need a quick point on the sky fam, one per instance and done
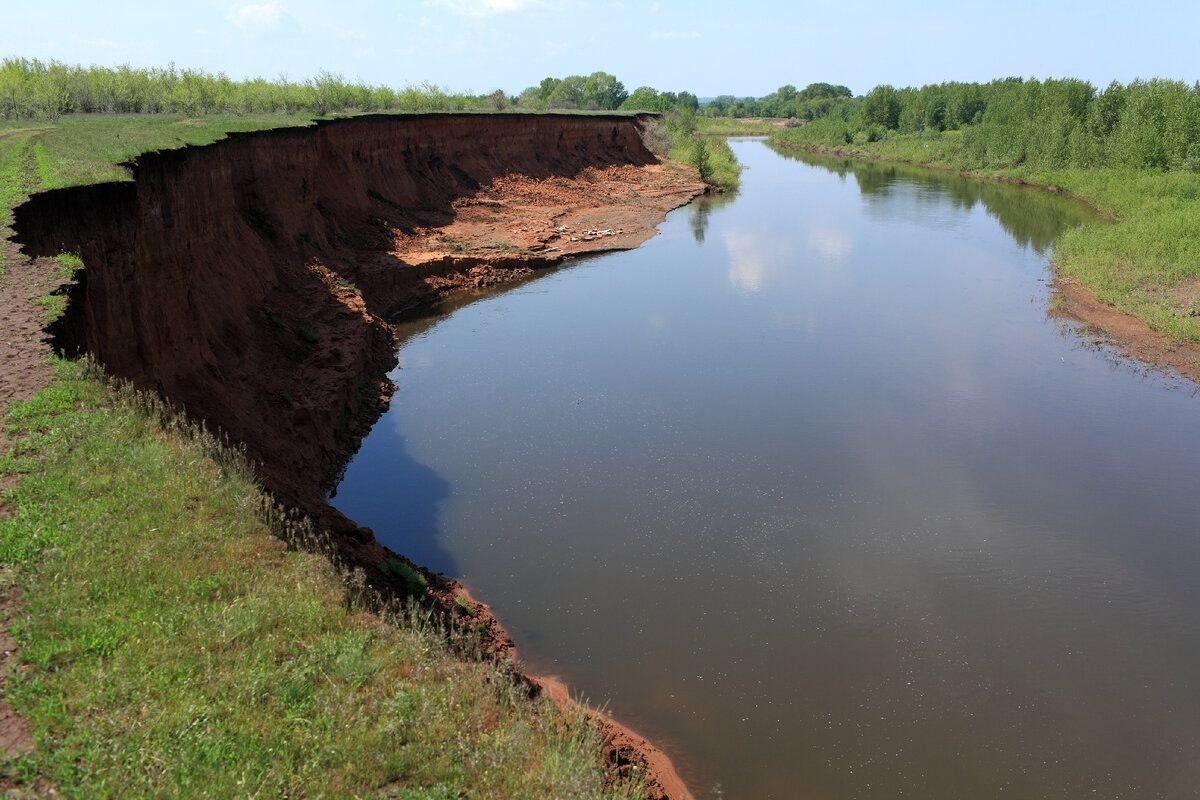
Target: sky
(709, 48)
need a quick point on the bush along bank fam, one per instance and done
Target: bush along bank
(1132, 151)
(676, 136)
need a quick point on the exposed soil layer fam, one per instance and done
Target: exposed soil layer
(23, 348)
(251, 281)
(1128, 334)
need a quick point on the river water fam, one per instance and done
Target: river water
(812, 491)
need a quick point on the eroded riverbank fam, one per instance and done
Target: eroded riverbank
(251, 281)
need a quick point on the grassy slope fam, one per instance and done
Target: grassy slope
(1148, 264)
(725, 126)
(173, 648)
(176, 648)
(87, 149)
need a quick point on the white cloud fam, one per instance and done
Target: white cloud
(748, 261)
(756, 259)
(484, 8)
(831, 244)
(674, 36)
(256, 16)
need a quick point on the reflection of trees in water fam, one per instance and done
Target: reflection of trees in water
(1033, 218)
(701, 207)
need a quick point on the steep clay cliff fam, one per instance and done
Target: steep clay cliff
(250, 280)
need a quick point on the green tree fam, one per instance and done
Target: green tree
(603, 91)
(644, 98)
(882, 107)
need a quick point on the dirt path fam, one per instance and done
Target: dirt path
(24, 369)
(23, 350)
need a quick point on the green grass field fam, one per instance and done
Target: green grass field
(170, 646)
(1147, 264)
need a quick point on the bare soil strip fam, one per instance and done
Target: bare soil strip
(1131, 336)
(24, 369)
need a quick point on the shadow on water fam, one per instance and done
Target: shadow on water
(386, 489)
(1035, 225)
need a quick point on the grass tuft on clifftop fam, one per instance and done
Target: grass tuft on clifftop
(172, 646)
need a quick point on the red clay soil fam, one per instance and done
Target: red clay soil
(626, 752)
(252, 282)
(1127, 333)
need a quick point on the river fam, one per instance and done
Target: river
(812, 490)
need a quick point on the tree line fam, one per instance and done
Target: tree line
(815, 101)
(601, 91)
(33, 88)
(1053, 123)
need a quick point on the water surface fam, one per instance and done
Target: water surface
(810, 490)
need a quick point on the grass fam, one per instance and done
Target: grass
(726, 126)
(83, 149)
(174, 647)
(712, 158)
(1148, 264)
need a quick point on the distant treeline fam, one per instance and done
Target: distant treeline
(601, 91)
(814, 101)
(1151, 124)
(32, 88)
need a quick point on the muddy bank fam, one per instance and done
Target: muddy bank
(1131, 336)
(251, 281)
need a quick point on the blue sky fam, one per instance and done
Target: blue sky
(706, 47)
